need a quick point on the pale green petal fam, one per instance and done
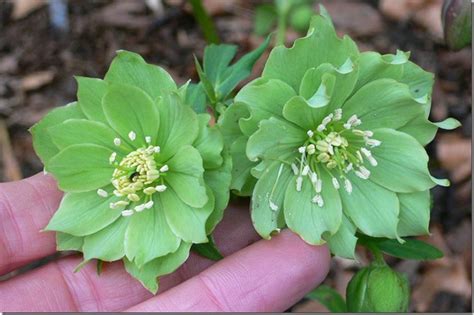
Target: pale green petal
(414, 213)
(66, 241)
(82, 167)
(86, 213)
(402, 162)
(343, 243)
(267, 199)
(160, 266)
(420, 83)
(129, 109)
(209, 143)
(149, 236)
(229, 122)
(384, 103)
(298, 111)
(107, 244)
(42, 143)
(372, 208)
(185, 176)
(264, 99)
(448, 124)
(187, 222)
(321, 45)
(83, 131)
(219, 181)
(130, 68)
(90, 92)
(178, 126)
(242, 180)
(275, 139)
(308, 219)
(421, 129)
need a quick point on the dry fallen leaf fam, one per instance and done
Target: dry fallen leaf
(22, 8)
(36, 80)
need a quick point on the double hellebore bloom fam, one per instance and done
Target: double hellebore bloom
(334, 141)
(144, 176)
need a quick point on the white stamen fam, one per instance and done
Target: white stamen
(149, 190)
(359, 156)
(358, 132)
(160, 188)
(330, 149)
(352, 119)
(302, 149)
(318, 199)
(294, 168)
(121, 203)
(305, 170)
(299, 183)
(45, 172)
(311, 149)
(148, 139)
(359, 174)
(102, 193)
(335, 183)
(149, 204)
(127, 213)
(372, 160)
(117, 141)
(164, 168)
(310, 133)
(140, 208)
(116, 193)
(364, 171)
(112, 205)
(373, 142)
(313, 177)
(318, 186)
(327, 119)
(273, 206)
(321, 127)
(366, 152)
(348, 168)
(132, 135)
(368, 133)
(331, 164)
(157, 149)
(347, 126)
(133, 197)
(112, 157)
(348, 186)
(338, 114)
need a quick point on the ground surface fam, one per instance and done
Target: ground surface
(37, 64)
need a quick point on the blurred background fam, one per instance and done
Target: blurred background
(44, 43)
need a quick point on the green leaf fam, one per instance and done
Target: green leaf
(186, 222)
(108, 243)
(328, 297)
(383, 103)
(42, 143)
(86, 213)
(290, 64)
(402, 162)
(343, 243)
(66, 241)
(216, 60)
(300, 17)
(410, 249)
(308, 219)
(275, 139)
(242, 180)
(265, 18)
(196, 98)
(90, 92)
(267, 199)
(149, 236)
(82, 167)
(218, 180)
(372, 208)
(83, 131)
(264, 99)
(160, 266)
(208, 250)
(206, 83)
(414, 213)
(130, 68)
(178, 126)
(128, 109)
(209, 143)
(185, 176)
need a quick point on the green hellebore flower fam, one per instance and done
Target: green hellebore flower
(334, 142)
(144, 176)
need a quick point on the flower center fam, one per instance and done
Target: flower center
(338, 146)
(136, 177)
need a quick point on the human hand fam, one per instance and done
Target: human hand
(253, 276)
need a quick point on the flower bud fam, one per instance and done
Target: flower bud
(378, 289)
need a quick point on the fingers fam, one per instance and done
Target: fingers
(25, 208)
(268, 276)
(55, 287)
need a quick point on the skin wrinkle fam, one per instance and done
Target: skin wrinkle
(65, 281)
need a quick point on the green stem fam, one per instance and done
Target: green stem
(205, 22)
(281, 30)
